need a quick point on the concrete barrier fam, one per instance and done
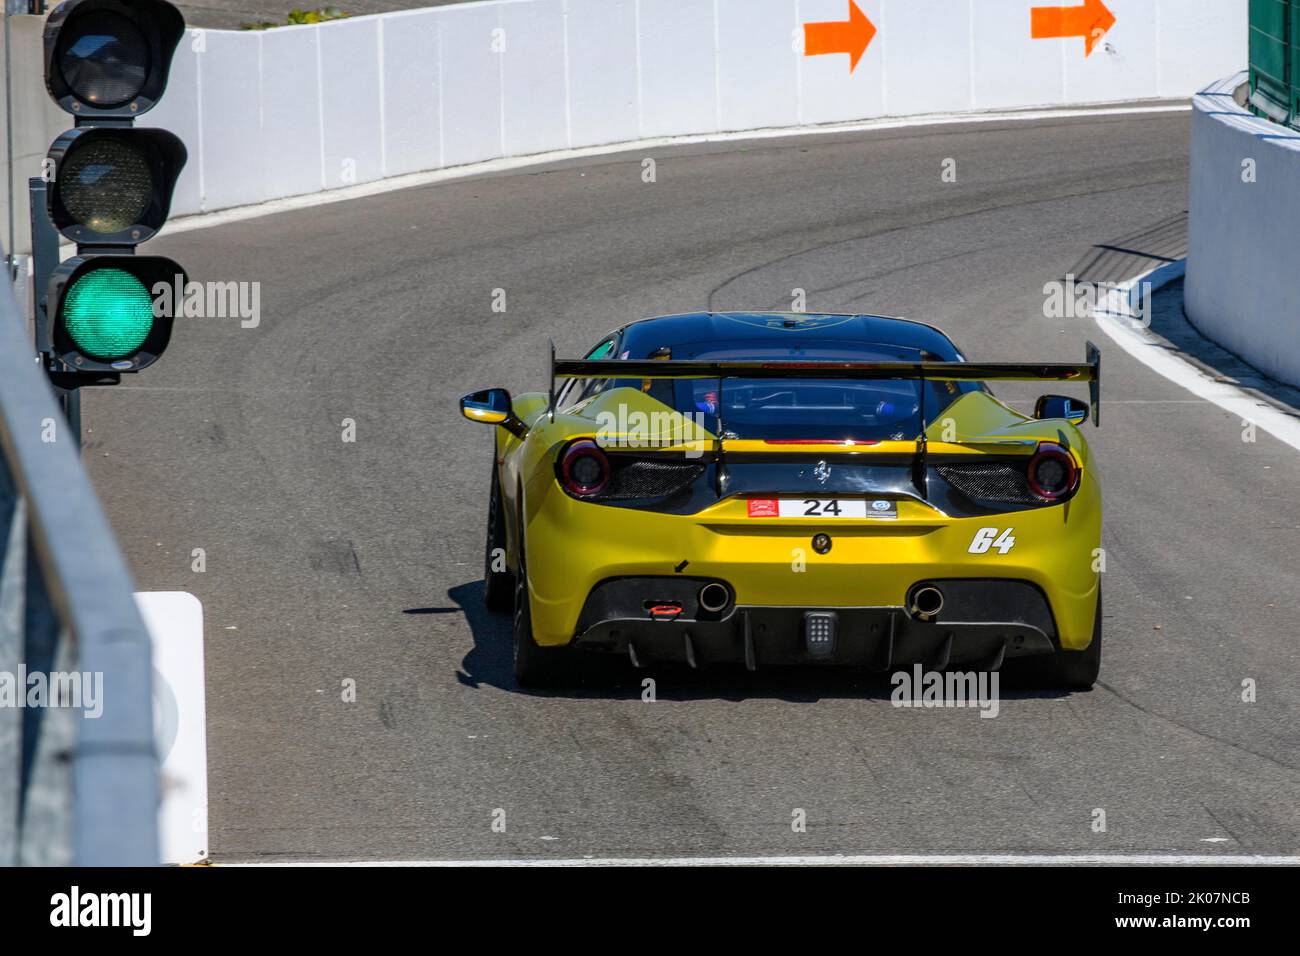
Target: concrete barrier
(296, 110)
(1243, 266)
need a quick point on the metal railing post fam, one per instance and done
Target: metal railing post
(13, 551)
(48, 734)
(67, 603)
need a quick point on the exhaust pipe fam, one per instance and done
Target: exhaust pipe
(927, 602)
(714, 597)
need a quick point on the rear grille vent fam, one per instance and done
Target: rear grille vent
(1002, 484)
(649, 479)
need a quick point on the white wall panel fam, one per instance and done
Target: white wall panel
(602, 71)
(757, 64)
(291, 111)
(412, 133)
(178, 111)
(231, 109)
(351, 135)
(1199, 41)
(1011, 68)
(471, 83)
(927, 47)
(533, 77)
(678, 67)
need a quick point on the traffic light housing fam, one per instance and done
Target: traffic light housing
(112, 185)
(107, 317)
(108, 187)
(107, 59)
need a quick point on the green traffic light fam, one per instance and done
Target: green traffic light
(108, 314)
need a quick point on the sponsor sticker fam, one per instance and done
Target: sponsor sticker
(821, 508)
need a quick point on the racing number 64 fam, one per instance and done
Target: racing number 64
(988, 538)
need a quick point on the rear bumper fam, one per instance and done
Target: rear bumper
(982, 623)
(775, 571)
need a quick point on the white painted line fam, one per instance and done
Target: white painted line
(1137, 342)
(221, 217)
(911, 860)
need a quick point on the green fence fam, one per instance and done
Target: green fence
(1275, 59)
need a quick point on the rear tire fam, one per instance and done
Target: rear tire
(535, 666)
(498, 586)
(1073, 670)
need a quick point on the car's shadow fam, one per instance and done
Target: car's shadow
(595, 676)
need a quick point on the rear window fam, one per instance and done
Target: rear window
(831, 410)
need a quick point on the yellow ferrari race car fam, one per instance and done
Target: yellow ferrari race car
(776, 489)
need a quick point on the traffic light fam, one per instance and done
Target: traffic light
(107, 187)
(104, 319)
(112, 186)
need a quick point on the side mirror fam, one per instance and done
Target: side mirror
(1062, 406)
(493, 406)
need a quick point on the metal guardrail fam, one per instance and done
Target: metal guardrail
(73, 788)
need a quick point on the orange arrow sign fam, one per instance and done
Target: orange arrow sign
(1091, 21)
(851, 37)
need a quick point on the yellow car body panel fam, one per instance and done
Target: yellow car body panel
(573, 545)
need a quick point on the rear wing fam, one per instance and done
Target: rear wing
(1089, 372)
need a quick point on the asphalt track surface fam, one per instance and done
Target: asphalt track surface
(328, 561)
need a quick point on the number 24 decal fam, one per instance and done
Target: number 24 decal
(989, 538)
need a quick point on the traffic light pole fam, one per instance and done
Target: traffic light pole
(45, 259)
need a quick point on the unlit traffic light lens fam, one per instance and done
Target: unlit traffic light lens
(104, 58)
(106, 185)
(108, 314)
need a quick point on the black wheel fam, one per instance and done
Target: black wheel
(498, 582)
(1072, 670)
(534, 666)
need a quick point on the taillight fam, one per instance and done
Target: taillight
(584, 469)
(1052, 472)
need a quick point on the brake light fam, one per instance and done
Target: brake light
(584, 469)
(1052, 472)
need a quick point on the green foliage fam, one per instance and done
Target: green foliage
(298, 17)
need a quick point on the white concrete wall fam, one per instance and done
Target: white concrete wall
(1243, 266)
(301, 109)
